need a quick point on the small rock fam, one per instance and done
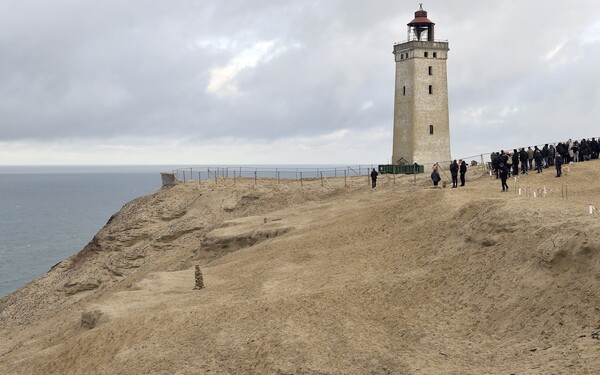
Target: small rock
(91, 319)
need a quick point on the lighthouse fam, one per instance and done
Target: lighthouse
(421, 121)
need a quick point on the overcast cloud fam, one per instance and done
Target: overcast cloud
(275, 81)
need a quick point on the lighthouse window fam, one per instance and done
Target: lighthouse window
(430, 90)
(435, 55)
(426, 54)
(431, 129)
(430, 70)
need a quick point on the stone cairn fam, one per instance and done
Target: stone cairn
(199, 279)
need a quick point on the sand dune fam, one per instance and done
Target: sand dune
(403, 279)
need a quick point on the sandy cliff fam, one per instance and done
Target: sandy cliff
(403, 279)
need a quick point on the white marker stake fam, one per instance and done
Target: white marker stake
(534, 194)
(519, 191)
(591, 207)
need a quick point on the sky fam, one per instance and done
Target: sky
(87, 82)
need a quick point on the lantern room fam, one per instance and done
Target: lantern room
(421, 28)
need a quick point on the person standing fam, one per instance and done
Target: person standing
(558, 163)
(569, 150)
(495, 163)
(594, 148)
(454, 173)
(537, 155)
(503, 176)
(374, 175)
(530, 157)
(561, 150)
(435, 176)
(551, 155)
(523, 158)
(545, 153)
(515, 161)
(575, 150)
(463, 171)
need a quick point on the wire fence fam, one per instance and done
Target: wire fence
(273, 173)
(322, 176)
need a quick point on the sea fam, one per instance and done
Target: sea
(48, 213)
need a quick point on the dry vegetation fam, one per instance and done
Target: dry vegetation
(403, 279)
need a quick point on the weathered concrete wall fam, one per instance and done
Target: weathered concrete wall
(415, 108)
(168, 179)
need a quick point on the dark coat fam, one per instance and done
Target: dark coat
(515, 158)
(463, 167)
(374, 175)
(435, 176)
(504, 172)
(523, 156)
(454, 169)
(558, 161)
(545, 152)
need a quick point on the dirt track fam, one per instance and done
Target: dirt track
(403, 279)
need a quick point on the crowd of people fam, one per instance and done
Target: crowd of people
(549, 156)
(507, 164)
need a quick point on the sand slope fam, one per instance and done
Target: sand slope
(404, 279)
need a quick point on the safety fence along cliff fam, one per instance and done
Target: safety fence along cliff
(325, 176)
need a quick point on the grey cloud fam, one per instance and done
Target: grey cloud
(141, 68)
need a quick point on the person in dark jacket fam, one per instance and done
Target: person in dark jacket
(435, 176)
(515, 161)
(537, 156)
(594, 148)
(585, 152)
(558, 163)
(495, 163)
(454, 173)
(503, 157)
(551, 155)
(463, 171)
(561, 149)
(545, 153)
(576, 148)
(523, 159)
(374, 175)
(504, 176)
